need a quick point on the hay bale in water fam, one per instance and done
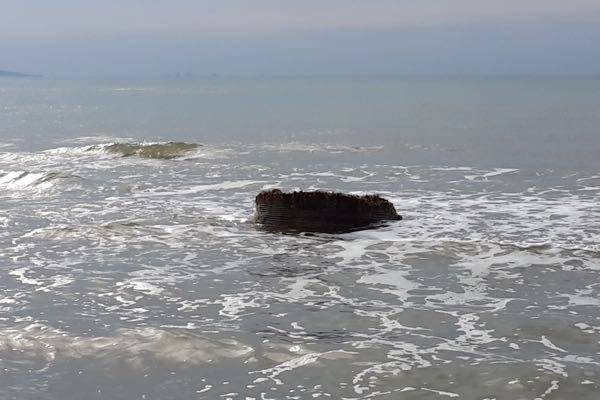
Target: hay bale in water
(321, 211)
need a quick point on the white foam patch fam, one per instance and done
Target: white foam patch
(486, 175)
(451, 169)
(392, 282)
(208, 152)
(553, 387)
(587, 328)
(99, 139)
(323, 147)
(546, 342)
(472, 335)
(582, 297)
(144, 287)
(330, 174)
(441, 392)
(352, 250)
(18, 180)
(234, 305)
(20, 275)
(298, 288)
(74, 152)
(295, 363)
(553, 366)
(201, 188)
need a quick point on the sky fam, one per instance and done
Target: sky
(299, 37)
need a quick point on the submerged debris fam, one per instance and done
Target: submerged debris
(321, 211)
(159, 151)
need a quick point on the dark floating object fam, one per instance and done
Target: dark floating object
(321, 211)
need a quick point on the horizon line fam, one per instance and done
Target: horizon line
(193, 75)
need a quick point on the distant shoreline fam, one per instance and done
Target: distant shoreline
(13, 74)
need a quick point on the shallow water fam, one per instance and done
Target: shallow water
(128, 277)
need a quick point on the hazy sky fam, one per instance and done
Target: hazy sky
(154, 37)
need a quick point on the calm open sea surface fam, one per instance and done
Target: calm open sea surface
(130, 278)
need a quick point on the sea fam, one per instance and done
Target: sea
(131, 268)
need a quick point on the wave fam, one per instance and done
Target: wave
(318, 147)
(19, 180)
(40, 345)
(495, 172)
(337, 148)
(163, 151)
(99, 139)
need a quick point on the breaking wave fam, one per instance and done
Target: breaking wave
(24, 180)
(331, 148)
(163, 151)
(40, 345)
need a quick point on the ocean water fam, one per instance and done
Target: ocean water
(128, 277)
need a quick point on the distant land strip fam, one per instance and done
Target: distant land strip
(12, 74)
